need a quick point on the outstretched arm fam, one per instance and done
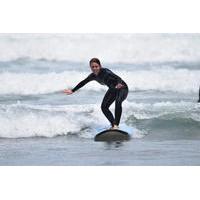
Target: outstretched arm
(79, 85)
(82, 83)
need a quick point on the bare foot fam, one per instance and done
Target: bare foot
(114, 127)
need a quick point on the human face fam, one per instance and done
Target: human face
(95, 67)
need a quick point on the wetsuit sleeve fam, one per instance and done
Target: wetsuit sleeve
(83, 82)
(119, 80)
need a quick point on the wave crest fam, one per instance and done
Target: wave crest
(176, 80)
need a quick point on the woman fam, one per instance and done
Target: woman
(118, 90)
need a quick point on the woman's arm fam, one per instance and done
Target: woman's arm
(79, 85)
(83, 82)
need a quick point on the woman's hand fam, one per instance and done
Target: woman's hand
(119, 85)
(68, 91)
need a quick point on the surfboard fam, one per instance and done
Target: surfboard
(112, 135)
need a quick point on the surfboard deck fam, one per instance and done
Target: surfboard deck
(112, 135)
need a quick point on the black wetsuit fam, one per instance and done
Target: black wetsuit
(107, 77)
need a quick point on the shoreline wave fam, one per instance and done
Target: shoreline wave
(22, 120)
(175, 80)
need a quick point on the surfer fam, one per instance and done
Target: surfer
(118, 90)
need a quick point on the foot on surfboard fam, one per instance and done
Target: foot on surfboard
(115, 127)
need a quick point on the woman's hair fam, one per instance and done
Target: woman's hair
(96, 60)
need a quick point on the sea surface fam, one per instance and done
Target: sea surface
(40, 125)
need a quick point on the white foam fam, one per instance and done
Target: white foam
(20, 120)
(23, 120)
(176, 80)
(163, 110)
(133, 132)
(27, 83)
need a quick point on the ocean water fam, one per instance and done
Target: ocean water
(40, 125)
